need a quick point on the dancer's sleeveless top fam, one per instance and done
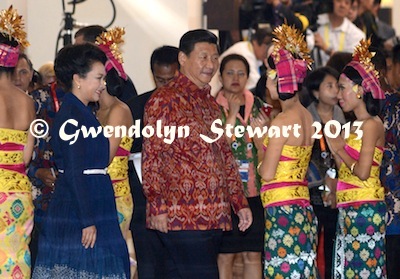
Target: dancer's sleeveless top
(16, 207)
(290, 223)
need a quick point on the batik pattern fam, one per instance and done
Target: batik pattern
(16, 207)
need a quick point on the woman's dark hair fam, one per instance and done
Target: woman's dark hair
(190, 38)
(373, 105)
(232, 57)
(6, 41)
(76, 59)
(315, 78)
(339, 60)
(90, 33)
(379, 60)
(115, 83)
(282, 96)
(260, 90)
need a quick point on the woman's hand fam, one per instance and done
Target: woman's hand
(234, 104)
(335, 143)
(259, 122)
(89, 236)
(331, 183)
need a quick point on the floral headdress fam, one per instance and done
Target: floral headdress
(108, 42)
(362, 63)
(11, 26)
(291, 57)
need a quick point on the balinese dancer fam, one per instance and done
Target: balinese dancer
(360, 241)
(115, 113)
(290, 223)
(16, 145)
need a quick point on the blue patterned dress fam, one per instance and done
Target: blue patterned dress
(81, 199)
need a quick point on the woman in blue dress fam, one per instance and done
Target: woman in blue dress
(81, 237)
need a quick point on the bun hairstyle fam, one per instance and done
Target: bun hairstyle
(76, 59)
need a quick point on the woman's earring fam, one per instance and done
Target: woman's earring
(79, 86)
(358, 95)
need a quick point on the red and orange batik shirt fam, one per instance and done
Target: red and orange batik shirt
(194, 181)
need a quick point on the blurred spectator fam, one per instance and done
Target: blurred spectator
(367, 23)
(254, 51)
(23, 74)
(322, 87)
(353, 12)
(282, 11)
(47, 73)
(379, 60)
(385, 31)
(335, 33)
(389, 67)
(396, 68)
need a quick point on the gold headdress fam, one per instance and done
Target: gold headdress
(291, 57)
(11, 25)
(364, 56)
(112, 39)
(363, 65)
(291, 39)
(108, 42)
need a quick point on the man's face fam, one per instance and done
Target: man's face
(22, 75)
(201, 64)
(164, 73)
(260, 50)
(353, 12)
(341, 8)
(367, 4)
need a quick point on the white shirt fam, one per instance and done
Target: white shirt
(342, 38)
(245, 49)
